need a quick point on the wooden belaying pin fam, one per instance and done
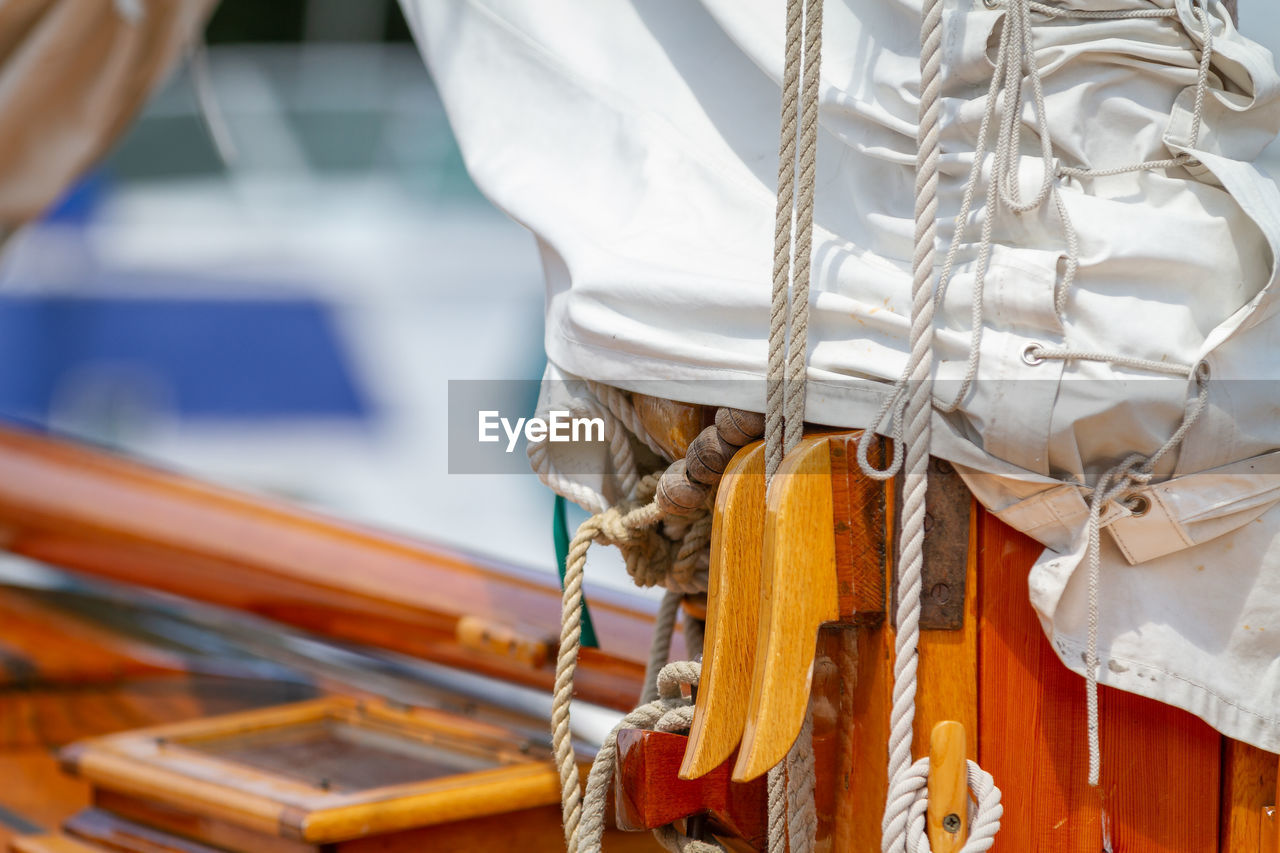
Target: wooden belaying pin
(947, 816)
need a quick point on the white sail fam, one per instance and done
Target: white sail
(637, 140)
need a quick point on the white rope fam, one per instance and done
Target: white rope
(1133, 472)
(618, 402)
(669, 712)
(902, 802)
(985, 812)
(910, 407)
(620, 423)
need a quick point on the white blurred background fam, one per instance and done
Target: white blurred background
(285, 315)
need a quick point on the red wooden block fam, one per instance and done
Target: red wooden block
(649, 793)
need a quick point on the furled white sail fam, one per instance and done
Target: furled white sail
(637, 140)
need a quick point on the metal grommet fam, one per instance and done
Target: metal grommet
(991, 4)
(1137, 504)
(1029, 355)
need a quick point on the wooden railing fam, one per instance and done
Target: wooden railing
(100, 514)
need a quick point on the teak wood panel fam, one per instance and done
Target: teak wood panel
(1248, 792)
(167, 765)
(93, 512)
(1160, 766)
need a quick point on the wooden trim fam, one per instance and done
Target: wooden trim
(1248, 787)
(101, 514)
(1160, 766)
(165, 766)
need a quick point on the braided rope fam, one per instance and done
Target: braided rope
(903, 826)
(782, 232)
(668, 712)
(792, 820)
(630, 525)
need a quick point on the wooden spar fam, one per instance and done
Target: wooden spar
(92, 512)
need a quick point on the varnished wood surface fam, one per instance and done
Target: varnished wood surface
(671, 424)
(948, 788)
(35, 795)
(111, 832)
(51, 843)
(179, 766)
(220, 834)
(948, 665)
(40, 644)
(1248, 788)
(733, 612)
(528, 831)
(1160, 766)
(649, 795)
(93, 512)
(35, 720)
(798, 594)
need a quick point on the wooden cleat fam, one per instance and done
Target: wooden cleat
(798, 594)
(947, 818)
(733, 607)
(823, 562)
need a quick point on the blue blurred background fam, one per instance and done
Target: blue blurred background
(284, 314)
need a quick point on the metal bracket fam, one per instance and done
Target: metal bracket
(948, 505)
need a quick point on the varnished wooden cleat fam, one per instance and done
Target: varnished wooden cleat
(947, 818)
(733, 607)
(823, 561)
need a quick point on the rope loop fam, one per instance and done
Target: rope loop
(909, 793)
(670, 712)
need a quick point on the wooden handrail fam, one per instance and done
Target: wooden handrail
(101, 514)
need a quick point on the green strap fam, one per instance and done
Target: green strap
(560, 533)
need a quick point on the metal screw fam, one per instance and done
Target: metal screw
(941, 593)
(951, 823)
(324, 784)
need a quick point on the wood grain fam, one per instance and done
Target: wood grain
(672, 425)
(948, 664)
(798, 594)
(1160, 765)
(93, 512)
(733, 613)
(50, 843)
(112, 832)
(948, 788)
(861, 511)
(177, 766)
(648, 795)
(1248, 787)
